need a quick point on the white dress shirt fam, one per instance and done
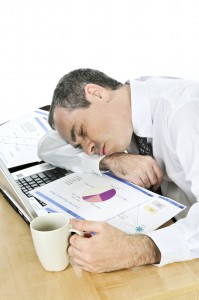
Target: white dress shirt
(166, 111)
(54, 150)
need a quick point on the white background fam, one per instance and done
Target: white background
(41, 40)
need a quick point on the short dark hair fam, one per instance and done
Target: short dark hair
(69, 92)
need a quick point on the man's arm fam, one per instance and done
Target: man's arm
(138, 169)
(56, 151)
(110, 249)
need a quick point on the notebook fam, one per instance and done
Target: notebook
(15, 186)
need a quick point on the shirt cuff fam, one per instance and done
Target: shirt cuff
(171, 244)
(91, 163)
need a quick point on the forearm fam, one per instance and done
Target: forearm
(141, 251)
(138, 169)
(121, 163)
(111, 162)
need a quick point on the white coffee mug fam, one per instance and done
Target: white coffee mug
(50, 234)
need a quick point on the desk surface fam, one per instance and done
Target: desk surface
(22, 277)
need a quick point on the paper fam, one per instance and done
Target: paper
(147, 216)
(19, 138)
(90, 196)
(93, 197)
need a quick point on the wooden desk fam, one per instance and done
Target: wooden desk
(22, 277)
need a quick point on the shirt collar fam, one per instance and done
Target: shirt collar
(141, 113)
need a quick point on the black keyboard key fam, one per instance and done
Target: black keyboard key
(36, 180)
(28, 179)
(34, 176)
(47, 180)
(41, 175)
(48, 173)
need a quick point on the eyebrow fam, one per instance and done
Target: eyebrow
(72, 132)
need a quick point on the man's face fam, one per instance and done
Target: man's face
(99, 129)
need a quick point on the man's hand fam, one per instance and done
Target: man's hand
(138, 169)
(110, 249)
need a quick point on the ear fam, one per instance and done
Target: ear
(93, 92)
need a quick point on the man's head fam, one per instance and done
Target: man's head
(70, 90)
(92, 110)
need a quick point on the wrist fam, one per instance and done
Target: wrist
(105, 163)
(143, 251)
(111, 161)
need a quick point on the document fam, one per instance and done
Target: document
(19, 138)
(147, 216)
(106, 198)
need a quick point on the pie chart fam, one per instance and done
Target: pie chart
(99, 194)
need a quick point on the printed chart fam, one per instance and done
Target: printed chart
(99, 194)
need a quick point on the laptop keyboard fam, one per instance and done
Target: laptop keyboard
(29, 183)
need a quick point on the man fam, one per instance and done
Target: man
(104, 117)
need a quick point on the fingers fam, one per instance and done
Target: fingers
(76, 243)
(153, 175)
(159, 177)
(77, 255)
(153, 179)
(149, 174)
(138, 181)
(143, 181)
(81, 264)
(80, 250)
(146, 181)
(87, 226)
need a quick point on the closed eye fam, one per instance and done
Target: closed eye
(82, 133)
(72, 133)
(77, 146)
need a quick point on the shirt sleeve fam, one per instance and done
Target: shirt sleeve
(55, 150)
(180, 241)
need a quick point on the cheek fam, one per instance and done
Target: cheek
(98, 128)
(122, 140)
(106, 129)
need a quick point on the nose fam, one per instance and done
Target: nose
(88, 146)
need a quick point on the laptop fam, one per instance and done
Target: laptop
(16, 185)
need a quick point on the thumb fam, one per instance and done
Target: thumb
(85, 225)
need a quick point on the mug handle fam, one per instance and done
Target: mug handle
(71, 230)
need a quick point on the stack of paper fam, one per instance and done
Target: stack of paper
(19, 138)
